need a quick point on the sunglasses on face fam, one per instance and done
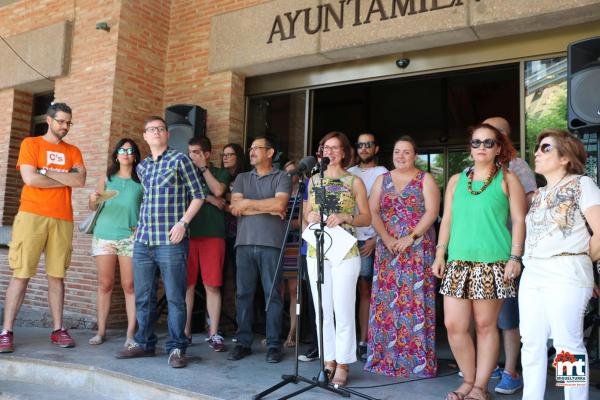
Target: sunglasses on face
(366, 145)
(487, 143)
(122, 151)
(544, 147)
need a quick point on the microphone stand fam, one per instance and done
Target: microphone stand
(321, 381)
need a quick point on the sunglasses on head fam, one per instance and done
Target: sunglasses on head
(366, 145)
(122, 151)
(544, 147)
(487, 143)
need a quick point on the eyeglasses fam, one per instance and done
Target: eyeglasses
(228, 155)
(254, 148)
(156, 129)
(331, 149)
(544, 147)
(129, 151)
(487, 143)
(366, 145)
(63, 122)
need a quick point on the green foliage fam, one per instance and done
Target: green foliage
(554, 117)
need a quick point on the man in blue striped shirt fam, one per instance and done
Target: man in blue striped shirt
(169, 179)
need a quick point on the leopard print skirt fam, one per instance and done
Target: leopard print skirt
(476, 281)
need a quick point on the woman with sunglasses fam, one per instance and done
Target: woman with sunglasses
(558, 280)
(113, 234)
(234, 161)
(483, 262)
(343, 194)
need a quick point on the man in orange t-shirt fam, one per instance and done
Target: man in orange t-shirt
(50, 168)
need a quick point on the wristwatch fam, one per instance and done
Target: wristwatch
(203, 169)
(182, 222)
(43, 171)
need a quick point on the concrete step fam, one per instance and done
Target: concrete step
(15, 390)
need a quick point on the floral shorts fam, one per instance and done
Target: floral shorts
(476, 281)
(121, 247)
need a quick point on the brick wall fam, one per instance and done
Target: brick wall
(88, 89)
(187, 79)
(155, 55)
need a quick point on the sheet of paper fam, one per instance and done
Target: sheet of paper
(337, 242)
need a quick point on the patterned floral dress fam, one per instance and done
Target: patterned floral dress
(402, 315)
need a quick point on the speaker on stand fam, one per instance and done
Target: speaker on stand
(583, 105)
(184, 122)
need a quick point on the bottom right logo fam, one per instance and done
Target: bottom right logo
(570, 369)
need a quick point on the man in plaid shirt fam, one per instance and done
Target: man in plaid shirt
(169, 179)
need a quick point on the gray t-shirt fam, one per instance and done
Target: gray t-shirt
(261, 229)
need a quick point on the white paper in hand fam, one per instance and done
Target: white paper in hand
(337, 242)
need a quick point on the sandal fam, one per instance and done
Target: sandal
(97, 340)
(342, 380)
(330, 367)
(482, 394)
(456, 395)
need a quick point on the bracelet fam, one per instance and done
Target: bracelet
(441, 246)
(515, 258)
(517, 246)
(413, 236)
(182, 222)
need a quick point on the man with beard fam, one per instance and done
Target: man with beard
(259, 199)
(50, 168)
(368, 171)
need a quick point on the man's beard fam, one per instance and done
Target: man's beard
(368, 159)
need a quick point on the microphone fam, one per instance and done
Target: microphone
(324, 163)
(305, 165)
(321, 165)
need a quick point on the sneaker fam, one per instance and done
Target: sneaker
(274, 355)
(496, 373)
(216, 343)
(61, 338)
(362, 351)
(509, 383)
(134, 350)
(177, 359)
(6, 342)
(239, 352)
(311, 355)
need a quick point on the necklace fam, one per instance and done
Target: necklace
(486, 183)
(547, 191)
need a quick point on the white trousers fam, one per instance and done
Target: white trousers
(338, 298)
(555, 312)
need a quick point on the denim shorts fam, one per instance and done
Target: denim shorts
(509, 314)
(366, 263)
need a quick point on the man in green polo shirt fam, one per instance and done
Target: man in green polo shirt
(207, 240)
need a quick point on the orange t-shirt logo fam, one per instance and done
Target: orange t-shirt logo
(56, 158)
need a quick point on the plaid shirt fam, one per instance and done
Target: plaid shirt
(168, 183)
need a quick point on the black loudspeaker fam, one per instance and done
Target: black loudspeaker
(583, 85)
(184, 122)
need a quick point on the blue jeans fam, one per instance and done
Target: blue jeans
(254, 262)
(366, 264)
(171, 261)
